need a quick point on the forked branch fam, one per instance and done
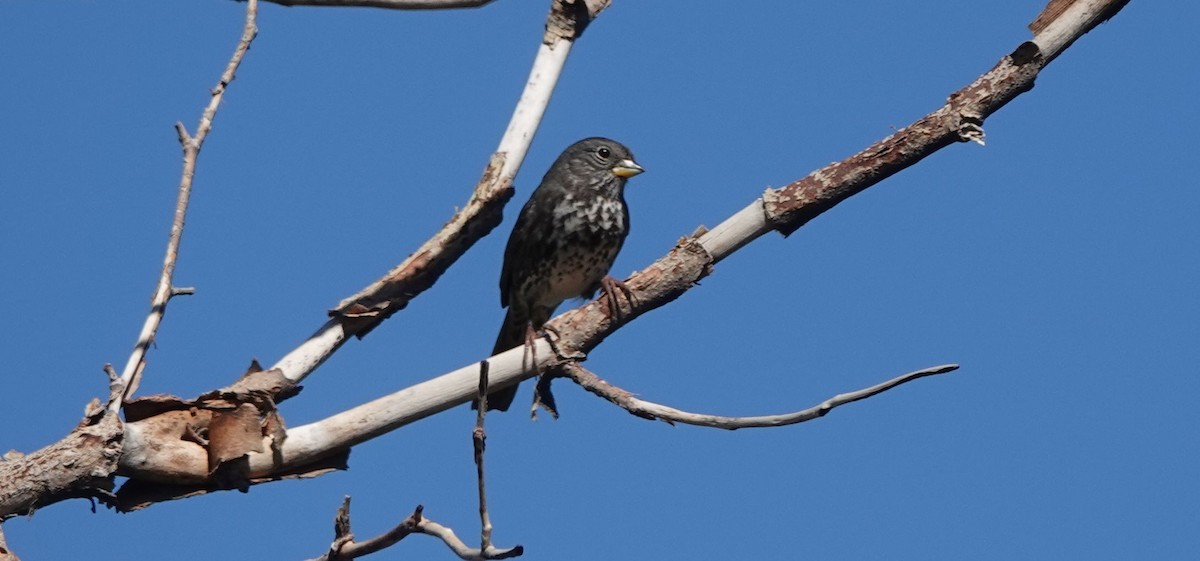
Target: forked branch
(582, 329)
(191, 144)
(82, 464)
(358, 314)
(344, 546)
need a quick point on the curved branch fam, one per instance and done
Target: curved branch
(345, 548)
(360, 313)
(589, 381)
(464, 552)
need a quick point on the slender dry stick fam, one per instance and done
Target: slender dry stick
(132, 373)
(589, 381)
(344, 546)
(431, 528)
(479, 438)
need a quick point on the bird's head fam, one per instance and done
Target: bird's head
(598, 155)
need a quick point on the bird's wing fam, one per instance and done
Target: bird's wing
(529, 242)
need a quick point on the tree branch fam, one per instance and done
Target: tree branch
(81, 464)
(131, 375)
(360, 313)
(589, 381)
(578, 331)
(479, 442)
(431, 528)
(345, 548)
(78, 466)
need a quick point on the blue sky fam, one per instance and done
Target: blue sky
(1058, 265)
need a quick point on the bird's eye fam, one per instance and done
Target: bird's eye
(604, 152)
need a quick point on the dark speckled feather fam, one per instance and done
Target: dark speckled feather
(565, 240)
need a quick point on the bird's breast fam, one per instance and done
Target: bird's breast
(600, 215)
(587, 235)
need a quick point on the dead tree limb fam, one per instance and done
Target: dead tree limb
(589, 381)
(191, 145)
(344, 546)
(83, 463)
(358, 314)
(580, 330)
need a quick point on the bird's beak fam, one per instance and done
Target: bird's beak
(627, 168)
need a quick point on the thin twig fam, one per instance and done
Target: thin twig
(345, 548)
(431, 528)
(479, 439)
(653, 411)
(191, 145)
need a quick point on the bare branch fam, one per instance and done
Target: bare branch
(82, 463)
(191, 145)
(1057, 26)
(78, 466)
(653, 411)
(479, 439)
(345, 548)
(582, 329)
(388, 4)
(153, 454)
(360, 313)
(460, 549)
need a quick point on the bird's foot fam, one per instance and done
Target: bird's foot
(542, 397)
(529, 359)
(610, 287)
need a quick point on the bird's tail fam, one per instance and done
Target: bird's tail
(512, 334)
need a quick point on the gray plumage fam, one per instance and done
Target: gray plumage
(565, 240)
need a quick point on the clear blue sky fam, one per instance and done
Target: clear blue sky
(1058, 265)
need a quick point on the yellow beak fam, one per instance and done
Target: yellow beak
(627, 168)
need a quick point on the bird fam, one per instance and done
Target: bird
(564, 242)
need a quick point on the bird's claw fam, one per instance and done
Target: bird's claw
(611, 287)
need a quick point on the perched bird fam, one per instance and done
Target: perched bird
(564, 241)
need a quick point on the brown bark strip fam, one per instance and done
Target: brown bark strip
(959, 120)
(137, 494)
(582, 329)
(363, 311)
(568, 18)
